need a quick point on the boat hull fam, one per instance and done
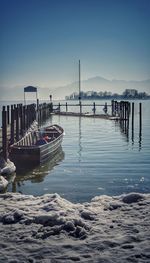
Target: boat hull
(35, 154)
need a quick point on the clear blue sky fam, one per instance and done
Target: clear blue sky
(42, 40)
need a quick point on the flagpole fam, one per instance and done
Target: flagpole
(80, 87)
(79, 82)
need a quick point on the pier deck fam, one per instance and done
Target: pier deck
(88, 115)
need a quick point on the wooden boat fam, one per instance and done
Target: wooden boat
(37, 146)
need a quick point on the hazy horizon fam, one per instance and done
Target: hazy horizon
(97, 83)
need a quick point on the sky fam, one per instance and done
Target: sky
(42, 41)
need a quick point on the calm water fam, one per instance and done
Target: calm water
(97, 157)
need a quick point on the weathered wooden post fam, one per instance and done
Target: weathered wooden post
(94, 108)
(12, 125)
(106, 107)
(4, 134)
(8, 120)
(21, 119)
(35, 117)
(30, 114)
(140, 125)
(37, 105)
(43, 111)
(80, 105)
(132, 122)
(119, 109)
(140, 116)
(40, 114)
(17, 122)
(116, 107)
(128, 110)
(59, 106)
(51, 107)
(24, 118)
(112, 107)
(37, 110)
(123, 110)
(27, 117)
(132, 115)
(66, 107)
(125, 114)
(127, 128)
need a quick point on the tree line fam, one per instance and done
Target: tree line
(127, 94)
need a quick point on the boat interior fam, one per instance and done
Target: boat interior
(39, 137)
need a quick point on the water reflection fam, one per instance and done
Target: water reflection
(124, 127)
(140, 139)
(125, 131)
(37, 174)
(80, 145)
(139, 135)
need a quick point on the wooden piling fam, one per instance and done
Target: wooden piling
(8, 119)
(4, 134)
(24, 119)
(17, 122)
(94, 108)
(66, 107)
(115, 107)
(124, 110)
(140, 116)
(140, 125)
(106, 108)
(112, 107)
(12, 127)
(21, 132)
(59, 107)
(132, 115)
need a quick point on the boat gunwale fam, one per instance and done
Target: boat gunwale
(34, 146)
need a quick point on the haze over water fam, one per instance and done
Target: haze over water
(97, 158)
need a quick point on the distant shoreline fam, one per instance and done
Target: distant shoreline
(105, 98)
(128, 94)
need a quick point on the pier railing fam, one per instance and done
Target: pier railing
(120, 109)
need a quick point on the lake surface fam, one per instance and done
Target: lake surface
(97, 157)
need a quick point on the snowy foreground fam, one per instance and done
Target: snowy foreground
(51, 229)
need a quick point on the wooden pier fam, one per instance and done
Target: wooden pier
(119, 110)
(17, 119)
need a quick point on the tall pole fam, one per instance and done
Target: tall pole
(79, 82)
(80, 87)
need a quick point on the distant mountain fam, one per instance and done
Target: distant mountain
(95, 83)
(101, 84)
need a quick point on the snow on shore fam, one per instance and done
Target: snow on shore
(3, 183)
(51, 229)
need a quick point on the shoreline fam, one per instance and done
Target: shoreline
(49, 228)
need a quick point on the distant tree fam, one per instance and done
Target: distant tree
(127, 94)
